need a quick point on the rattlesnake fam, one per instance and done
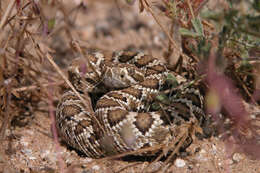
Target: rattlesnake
(122, 119)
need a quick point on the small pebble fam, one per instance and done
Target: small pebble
(202, 155)
(237, 157)
(214, 149)
(7, 81)
(155, 166)
(27, 151)
(202, 151)
(253, 116)
(96, 167)
(32, 158)
(230, 161)
(180, 163)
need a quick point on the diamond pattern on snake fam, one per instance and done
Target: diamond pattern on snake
(120, 120)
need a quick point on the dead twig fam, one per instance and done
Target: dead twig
(49, 58)
(11, 18)
(177, 48)
(7, 13)
(54, 130)
(7, 117)
(34, 87)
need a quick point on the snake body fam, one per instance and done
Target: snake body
(121, 120)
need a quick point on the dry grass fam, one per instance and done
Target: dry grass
(35, 48)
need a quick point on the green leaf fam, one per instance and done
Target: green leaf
(186, 32)
(130, 2)
(155, 106)
(51, 24)
(197, 25)
(171, 79)
(256, 5)
(162, 98)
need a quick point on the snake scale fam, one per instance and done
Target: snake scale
(121, 119)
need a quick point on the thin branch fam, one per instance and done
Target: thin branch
(7, 13)
(177, 48)
(54, 130)
(7, 116)
(86, 101)
(191, 10)
(49, 58)
(33, 87)
(11, 18)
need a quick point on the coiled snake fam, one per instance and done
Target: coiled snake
(122, 120)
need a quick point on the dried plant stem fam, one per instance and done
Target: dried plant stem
(33, 87)
(54, 130)
(245, 88)
(49, 58)
(7, 116)
(86, 101)
(11, 18)
(143, 150)
(191, 10)
(7, 13)
(188, 129)
(177, 48)
(180, 139)
(128, 166)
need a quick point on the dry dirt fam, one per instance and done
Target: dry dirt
(107, 25)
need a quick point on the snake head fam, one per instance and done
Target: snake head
(113, 75)
(122, 76)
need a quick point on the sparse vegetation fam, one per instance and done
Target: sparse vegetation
(213, 43)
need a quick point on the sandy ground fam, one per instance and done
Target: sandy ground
(101, 24)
